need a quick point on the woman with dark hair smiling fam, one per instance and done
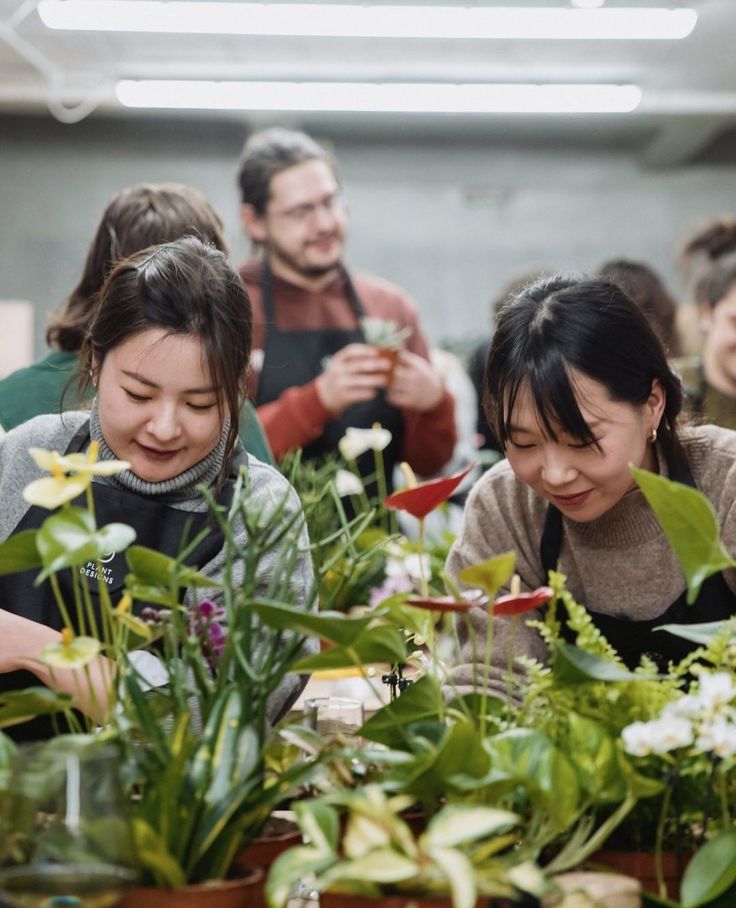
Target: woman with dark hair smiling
(578, 390)
(167, 354)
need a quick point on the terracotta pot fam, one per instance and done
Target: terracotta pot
(339, 900)
(641, 865)
(245, 892)
(264, 850)
(391, 354)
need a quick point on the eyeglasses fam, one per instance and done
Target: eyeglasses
(301, 214)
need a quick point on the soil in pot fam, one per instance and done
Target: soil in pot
(244, 892)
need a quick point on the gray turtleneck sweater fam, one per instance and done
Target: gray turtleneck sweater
(53, 433)
(620, 564)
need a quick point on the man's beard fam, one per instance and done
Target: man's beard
(299, 266)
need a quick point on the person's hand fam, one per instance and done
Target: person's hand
(416, 385)
(21, 643)
(354, 374)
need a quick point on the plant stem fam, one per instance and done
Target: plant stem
(423, 583)
(661, 888)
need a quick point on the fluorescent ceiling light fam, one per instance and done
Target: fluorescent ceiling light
(365, 21)
(392, 97)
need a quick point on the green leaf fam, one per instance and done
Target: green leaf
(333, 626)
(527, 758)
(290, 867)
(151, 568)
(373, 644)
(458, 871)
(457, 824)
(594, 755)
(702, 634)
(155, 857)
(575, 666)
(711, 872)
(319, 824)
(382, 865)
(20, 553)
(21, 705)
(490, 575)
(422, 700)
(690, 525)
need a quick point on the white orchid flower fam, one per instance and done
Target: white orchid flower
(357, 441)
(716, 690)
(717, 737)
(658, 736)
(347, 483)
(687, 707)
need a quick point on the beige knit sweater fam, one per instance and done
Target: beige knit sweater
(620, 564)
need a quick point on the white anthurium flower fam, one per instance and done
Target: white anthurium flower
(347, 483)
(716, 690)
(396, 565)
(717, 737)
(357, 441)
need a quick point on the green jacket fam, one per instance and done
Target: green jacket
(39, 388)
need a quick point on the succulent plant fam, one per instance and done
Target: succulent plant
(385, 333)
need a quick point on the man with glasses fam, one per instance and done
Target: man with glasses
(313, 373)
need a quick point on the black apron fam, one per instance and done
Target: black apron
(157, 525)
(630, 638)
(294, 358)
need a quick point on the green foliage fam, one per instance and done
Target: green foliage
(690, 525)
(458, 855)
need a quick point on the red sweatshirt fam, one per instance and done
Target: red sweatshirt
(298, 417)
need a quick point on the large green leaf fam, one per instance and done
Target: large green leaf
(20, 553)
(389, 726)
(711, 872)
(690, 525)
(333, 626)
(526, 758)
(155, 856)
(291, 867)
(373, 644)
(594, 754)
(575, 666)
(459, 873)
(702, 634)
(21, 705)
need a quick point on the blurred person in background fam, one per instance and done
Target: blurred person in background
(709, 380)
(645, 289)
(135, 218)
(313, 373)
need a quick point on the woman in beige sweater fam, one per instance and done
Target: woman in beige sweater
(577, 390)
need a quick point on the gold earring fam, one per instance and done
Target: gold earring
(652, 436)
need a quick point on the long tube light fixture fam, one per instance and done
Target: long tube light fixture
(368, 21)
(388, 97)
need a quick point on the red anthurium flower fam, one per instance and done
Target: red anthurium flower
(517, 604)
(440, 604)
(424, 497)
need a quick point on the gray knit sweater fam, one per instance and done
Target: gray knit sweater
(620, 564)
(53, 433)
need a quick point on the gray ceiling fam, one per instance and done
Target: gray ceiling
(689, 86)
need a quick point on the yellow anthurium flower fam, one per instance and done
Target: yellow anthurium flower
(70, 651)
(71, 474)
(52, 491)
(83, 464)
(122, 613)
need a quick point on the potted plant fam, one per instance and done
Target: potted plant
(378, 861)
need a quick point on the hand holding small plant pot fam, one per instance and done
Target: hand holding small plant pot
(388, 339)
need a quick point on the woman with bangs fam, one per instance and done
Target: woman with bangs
(577, 390)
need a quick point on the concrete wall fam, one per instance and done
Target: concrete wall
(450, 220)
